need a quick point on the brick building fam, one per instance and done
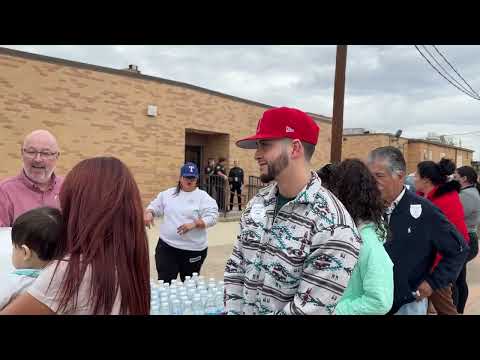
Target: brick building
(414, 150)
(151, 124)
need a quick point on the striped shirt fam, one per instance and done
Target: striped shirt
(298, 262)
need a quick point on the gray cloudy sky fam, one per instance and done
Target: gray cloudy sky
(388, 87)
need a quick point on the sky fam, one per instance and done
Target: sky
(387, 87)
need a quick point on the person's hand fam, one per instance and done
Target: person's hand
(183, 229)
(148, 218)
(424, 291)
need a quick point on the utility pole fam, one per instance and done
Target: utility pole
(338, 96)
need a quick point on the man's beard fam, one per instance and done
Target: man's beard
(274, 168)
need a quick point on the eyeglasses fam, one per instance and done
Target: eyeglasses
(32, 154)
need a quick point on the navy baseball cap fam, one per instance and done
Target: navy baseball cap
(189, 170)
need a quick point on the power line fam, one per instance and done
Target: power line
(456, 72)
(440, 73)
(473, 93)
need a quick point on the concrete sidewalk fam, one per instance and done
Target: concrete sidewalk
(222, 236)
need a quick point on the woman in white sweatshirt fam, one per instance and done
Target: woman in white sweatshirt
(187, 211)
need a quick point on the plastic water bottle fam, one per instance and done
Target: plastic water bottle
(210, 306)
(176, 307)
(195, 278)
(187, 308)
(197, 306)
(183, 300)
(164, 309)
(219, 302)
(173, 282)
(154, 306)
(160, 282)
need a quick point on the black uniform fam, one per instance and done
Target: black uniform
(209, 170)
(235, 176)
(418, 231)
(219, 170)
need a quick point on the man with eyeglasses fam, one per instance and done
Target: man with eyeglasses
(36, 185)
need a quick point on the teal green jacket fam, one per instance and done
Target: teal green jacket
(370, 288)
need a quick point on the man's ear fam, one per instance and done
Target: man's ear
(27, 253)
(297, 148)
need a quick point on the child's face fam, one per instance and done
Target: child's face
(18, 257)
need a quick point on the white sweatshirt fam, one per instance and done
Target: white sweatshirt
(186, 207)
(15, 283)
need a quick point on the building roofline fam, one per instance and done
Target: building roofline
(439, 144)
(415, 141)
(81, 65)
(370, 134)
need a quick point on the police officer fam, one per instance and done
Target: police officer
(209, 170)
(235, 177)
(220, 171)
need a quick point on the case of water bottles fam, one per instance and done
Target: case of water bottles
(195, 296)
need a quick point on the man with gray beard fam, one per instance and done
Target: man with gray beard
(297, 245)
(36, 185)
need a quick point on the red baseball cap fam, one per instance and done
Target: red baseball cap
(280, 123)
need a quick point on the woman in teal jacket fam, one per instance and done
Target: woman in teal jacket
(370, 289)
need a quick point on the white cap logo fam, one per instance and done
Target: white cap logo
(191, 169)
(288, 129)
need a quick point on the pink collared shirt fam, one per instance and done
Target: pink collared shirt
(19, 194)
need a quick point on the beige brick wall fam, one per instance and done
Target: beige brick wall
(96, 113)
(359, 146)
(419, 151)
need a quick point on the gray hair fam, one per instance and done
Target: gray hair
(393, 156)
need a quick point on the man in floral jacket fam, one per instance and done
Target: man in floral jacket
(297, 245)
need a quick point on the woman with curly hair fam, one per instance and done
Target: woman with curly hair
(370, 289)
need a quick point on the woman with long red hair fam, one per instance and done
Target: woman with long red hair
(101, 264)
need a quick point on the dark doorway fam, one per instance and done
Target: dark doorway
(193, 153)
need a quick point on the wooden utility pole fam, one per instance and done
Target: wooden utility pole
(338, 96)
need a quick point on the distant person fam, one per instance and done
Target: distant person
(35, 235)
(209, 171)
(297, 245)
(101, 263)
(325, 173)
(470, 198)
(236, 179)
(188, 212)
(370, 289)
(36, 185)
(410, 182)
(431, 181)
(220, 171)
(418, 231)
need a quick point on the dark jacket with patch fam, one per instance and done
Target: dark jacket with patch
(413, 245)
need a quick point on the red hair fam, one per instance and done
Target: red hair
(104, 226)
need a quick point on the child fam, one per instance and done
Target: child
(34, 239)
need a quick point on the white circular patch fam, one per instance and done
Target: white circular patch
(258, 213)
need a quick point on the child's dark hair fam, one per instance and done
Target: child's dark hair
(39, 229)
(326, 175)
